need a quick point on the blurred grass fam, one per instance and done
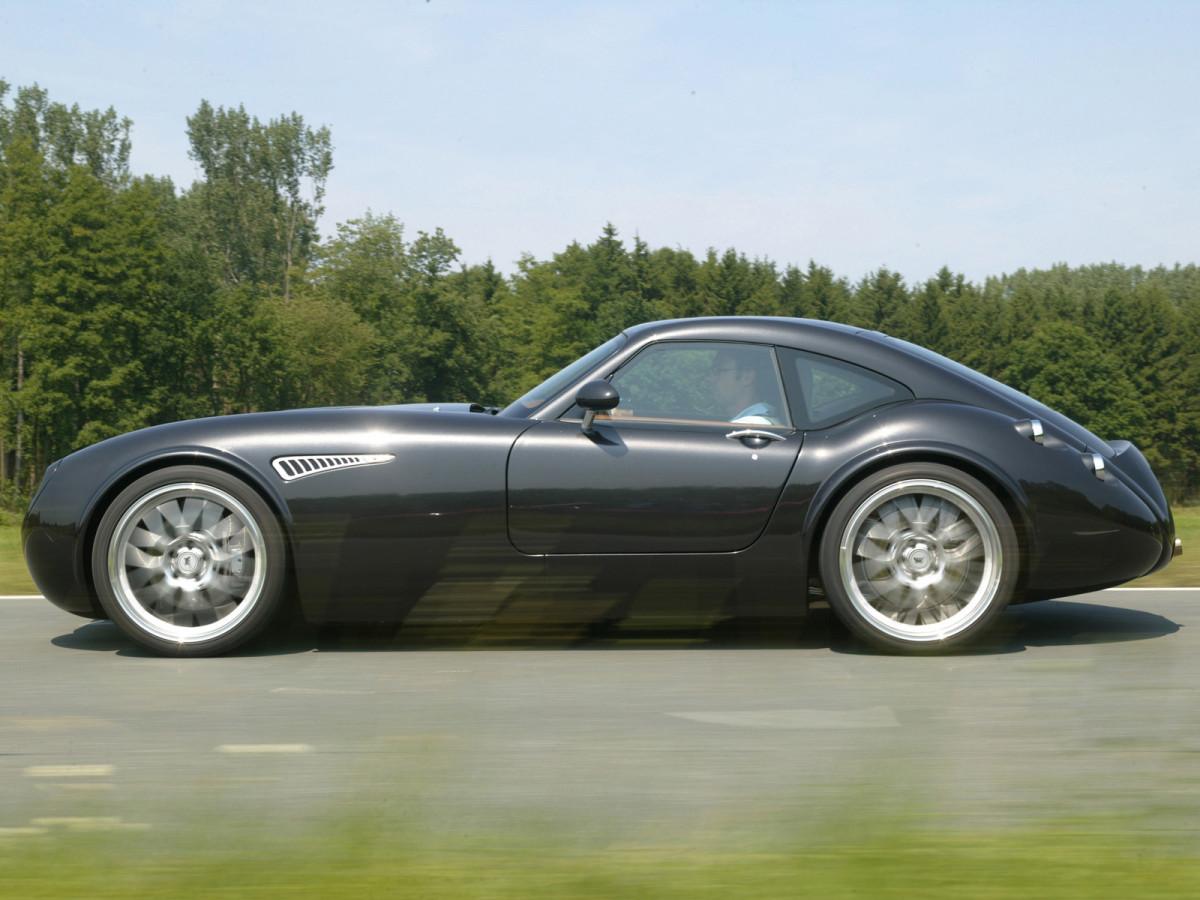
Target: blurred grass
(14, 577)
(358, 857)
(1182, 572)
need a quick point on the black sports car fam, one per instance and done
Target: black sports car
(775, 461)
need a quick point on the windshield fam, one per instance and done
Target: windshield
(555, 384)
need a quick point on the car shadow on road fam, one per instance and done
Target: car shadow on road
(1050, 623)
(1058, 623)
(100, 636)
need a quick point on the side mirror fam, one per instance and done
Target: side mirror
(594, 397)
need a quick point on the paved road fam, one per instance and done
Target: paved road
(1082, 708)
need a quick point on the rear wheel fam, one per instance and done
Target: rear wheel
(189, 561)
(919, 558)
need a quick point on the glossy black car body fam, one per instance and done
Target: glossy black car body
(884, 472)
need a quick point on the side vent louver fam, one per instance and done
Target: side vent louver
(289, 468)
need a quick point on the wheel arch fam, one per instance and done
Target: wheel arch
(183, 456)
(1008, 492)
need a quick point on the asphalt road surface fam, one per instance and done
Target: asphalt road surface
(1078, 708)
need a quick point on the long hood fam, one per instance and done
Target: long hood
(250, 443)
(246, 430)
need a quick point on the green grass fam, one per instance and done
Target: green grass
(1182, 572)
(367, 858)
(14, 577)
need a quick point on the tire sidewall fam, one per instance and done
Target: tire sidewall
(844, 511)
(266, 602)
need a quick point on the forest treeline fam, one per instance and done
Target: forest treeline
(126, 300)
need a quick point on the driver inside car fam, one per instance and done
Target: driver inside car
(735, 382)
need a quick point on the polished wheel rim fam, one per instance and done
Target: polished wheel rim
(187, 562)
(921, 560)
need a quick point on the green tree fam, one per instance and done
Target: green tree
(79, 256)
(261, 194)
(545, 319)
(826, 297)
(731, 284)
(927, 316)
(879, 300)
(611, 290)
(432, 326)
(325, 351)
(1141, 329)
(26, 195)
(675, 275)
(97, 266)
(67, 136)
(1068, 369)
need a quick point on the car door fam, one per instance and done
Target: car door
(693, 459)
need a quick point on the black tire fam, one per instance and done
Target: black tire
(919, 558)
(189, 561)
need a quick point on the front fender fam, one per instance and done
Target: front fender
(62, 518)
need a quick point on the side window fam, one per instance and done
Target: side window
(826, 391)
(699, 383)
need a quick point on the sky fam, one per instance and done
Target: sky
(982, 136)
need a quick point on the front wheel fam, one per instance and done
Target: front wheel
(189, 561)
(919, 558)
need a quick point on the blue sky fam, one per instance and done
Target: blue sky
(979, 135)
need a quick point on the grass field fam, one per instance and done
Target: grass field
(359, 858)
(1182, 572)
(14, 577)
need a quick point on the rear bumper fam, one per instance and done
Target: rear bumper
(1097, 526)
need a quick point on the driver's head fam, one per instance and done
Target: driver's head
(732, 379)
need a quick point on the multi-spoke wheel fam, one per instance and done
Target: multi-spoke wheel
(919, 557)
(189, 561)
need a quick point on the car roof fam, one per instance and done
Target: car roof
(926, 374)
(750, 328)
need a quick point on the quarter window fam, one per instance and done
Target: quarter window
(826, 391)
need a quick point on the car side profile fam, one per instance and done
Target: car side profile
(781, 460)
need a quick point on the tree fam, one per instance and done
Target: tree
(26, 196)
(325, 351)
(432, 328)
(545, 321)
(926, 318)
(67, 136)
(879, 299)
(97, 264)
(1065, 367)
(261, 194)
(825, 297)
(79, 250)
(1142, 330)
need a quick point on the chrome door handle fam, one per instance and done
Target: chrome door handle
(754, 434)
